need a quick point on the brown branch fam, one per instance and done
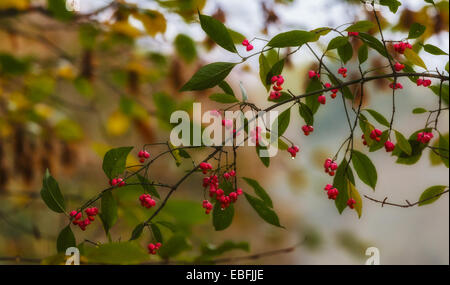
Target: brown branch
(408, 204)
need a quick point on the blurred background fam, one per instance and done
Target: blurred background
(73, 86)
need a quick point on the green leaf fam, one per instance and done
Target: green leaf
(366, 128)
(237, 37)
(264, 68)
(109, 210)
(222, 219)
(283, 123)
(223, 98)
(414, 58)
(266, 213)
(363, 53)
(433, 50)
(443, 148)
(114, 161)
(373, 43)
(65, 239)
(58, 10)
(353, 193)
(259, 191)
(117, 253)
(431, 194)
(403, 143)
(444, 93)
(345, 52)
(168, 225)
(137, 231)
(409, 159)
(208, 76)
(392, 4)
(294, 38)
(416, 30)
(343, 173)
(264, 160)
(226, 88)
(185, 48)
(276, 69)
(157, 233)
(148, 188)
(337, 42)
(51, 194)
(217, 32)
(306, 114)
(311, 101)
(378, 117)
(174, 246)
(364, 168)
(361, 26)
(419, 110)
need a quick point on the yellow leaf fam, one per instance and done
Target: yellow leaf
(414, 58)
(353, 193)
(117, 124)
(16, 4)
(125, 28)
(153, 21)
(43, 110)
(66, 71)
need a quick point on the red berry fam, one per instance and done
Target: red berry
(245, 42)
(249, 47)
(351, 203)
(322, 99)
(389, 146)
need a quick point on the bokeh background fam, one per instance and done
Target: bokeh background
(66, 98)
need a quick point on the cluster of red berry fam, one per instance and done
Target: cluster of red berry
(227, 175)
(277, 82)
(90, 212)
(208, 206)
(205, 167)
(331, 191)
(389, 146)
(343, 71)
(219, 194)
(143, 155)
(424, 137)
(330, 166)
(424, 82)
(147, 201)
(375, 134)
(398, 66)
(401, 47)
(312, 74)
(248, 46)
(152, 248)
(351, 203)
(293, 151)
(307, 129)
(395, 86)
(119, 182)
